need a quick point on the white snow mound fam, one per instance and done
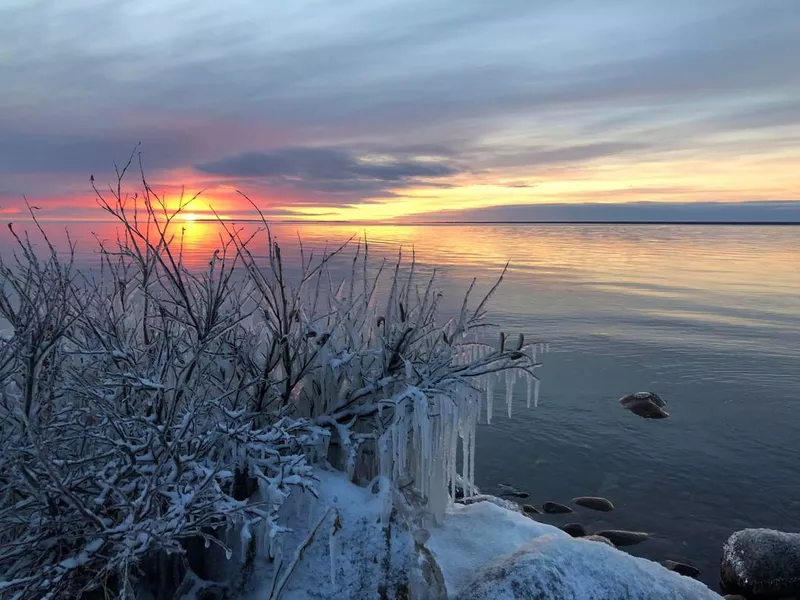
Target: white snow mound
(483, 552)
(486, 552)
(473, 536)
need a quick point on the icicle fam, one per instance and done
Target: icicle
(454, 418)
(536, 393)
(547, 347)
(509, 390)
(489, 398)
(533, 353)
(473, 434)
(246, 537)
(529, 381)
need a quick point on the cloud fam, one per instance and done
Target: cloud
(500, 86)
(333, 170)
(85, 154)
(553, 155)
(727, 212)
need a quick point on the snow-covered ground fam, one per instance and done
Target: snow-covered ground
(482, 551)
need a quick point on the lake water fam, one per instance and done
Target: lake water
(707, 316)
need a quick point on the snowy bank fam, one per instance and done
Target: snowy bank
(481, 551)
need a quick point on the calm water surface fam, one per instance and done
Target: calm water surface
(707, 316)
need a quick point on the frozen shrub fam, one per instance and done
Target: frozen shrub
(145, 406)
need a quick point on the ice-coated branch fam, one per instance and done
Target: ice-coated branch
(146, 406)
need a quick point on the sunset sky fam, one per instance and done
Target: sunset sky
(412, 109)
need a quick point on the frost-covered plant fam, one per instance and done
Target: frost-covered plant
(146, 406)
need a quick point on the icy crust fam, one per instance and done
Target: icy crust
(481, 551)
(357, 548)
(762, 562)
(474, 535)
(560, 567)
(486, 552)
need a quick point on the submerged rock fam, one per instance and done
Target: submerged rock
(574, 529)
(762, 562)
(621, 537)
(510, 490)
(530, 509)
(553, 567)
(501, 502)
(682, 568)
(599, 538)
(554, 508)
(647, 405)
(594, 502)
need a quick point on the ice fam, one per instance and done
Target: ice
(529, 385)
(552, 566)
(489, 399)
(473, 535)
(762, 562)
(485, 552)
(510, 377)
(346, 559)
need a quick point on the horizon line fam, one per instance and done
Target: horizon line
(392, 222)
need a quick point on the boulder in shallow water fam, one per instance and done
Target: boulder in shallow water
(557, 568)
(762, 563)
(682, 568)
(621, 537)
(554, 508)
(647, 405)
(574, 529)
(599, 538)
(510, 490)
(530, 509)
(594, 502)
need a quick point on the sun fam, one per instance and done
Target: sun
(189, 216)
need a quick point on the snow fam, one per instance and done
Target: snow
(762, 562)
(348, 554)
(554, 566)
(474, 535)
(483, 551)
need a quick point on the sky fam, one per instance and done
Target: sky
(406, 110)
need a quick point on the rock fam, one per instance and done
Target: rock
(599, 538)
(529, 509)
(762, 562)
(645, 404)
(594, 502)
(574, 529)
(734, 597)
(426, 581)
(554, 508)
(557, 568)
(510, 490)
(682, 568)
(501, 502)
(620, 537)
